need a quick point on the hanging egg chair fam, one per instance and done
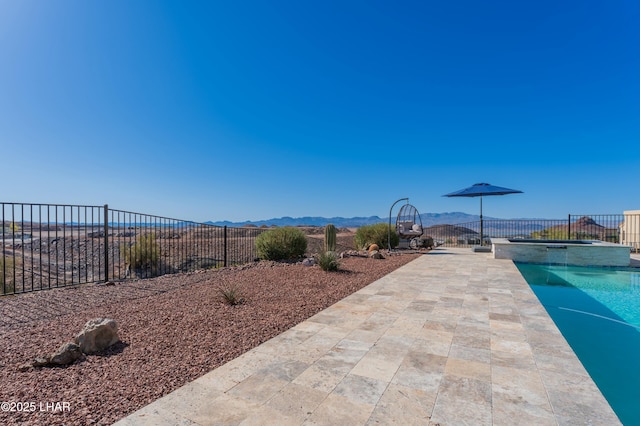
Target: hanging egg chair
(409, 225)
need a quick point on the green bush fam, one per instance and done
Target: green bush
(376, 234)
(143, 255)
(6, 267)
(328, 261)
(281, 244)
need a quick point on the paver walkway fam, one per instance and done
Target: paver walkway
(452, 338)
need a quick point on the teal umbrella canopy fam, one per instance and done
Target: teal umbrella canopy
(480, 190)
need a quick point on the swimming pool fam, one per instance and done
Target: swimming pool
(598, 312)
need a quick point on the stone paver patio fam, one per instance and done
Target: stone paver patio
(452, 338)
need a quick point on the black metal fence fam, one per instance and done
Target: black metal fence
(614, 228)
(44, 246)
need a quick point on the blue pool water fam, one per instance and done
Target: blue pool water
(598, 312)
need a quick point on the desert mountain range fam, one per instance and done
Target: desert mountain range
(428, 219)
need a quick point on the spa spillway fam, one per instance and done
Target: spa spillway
(562, 252)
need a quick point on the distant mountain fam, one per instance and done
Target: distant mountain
(428, 219)
(340, 222)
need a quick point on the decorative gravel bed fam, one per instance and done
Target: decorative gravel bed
(173, 329)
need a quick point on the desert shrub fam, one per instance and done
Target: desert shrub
(6, 269)
(281, 244)
(231, 295)
(328, 261)
(143, 255)
(375, 234)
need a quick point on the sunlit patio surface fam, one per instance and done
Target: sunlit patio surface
(454, 337)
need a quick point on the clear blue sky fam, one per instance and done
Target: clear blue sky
(248, 110)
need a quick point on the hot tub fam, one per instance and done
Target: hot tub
(562, 252)
(524, 240)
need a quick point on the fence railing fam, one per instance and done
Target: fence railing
(614, 228)
(45, 246)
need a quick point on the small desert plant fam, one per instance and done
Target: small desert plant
(231, 295)
(6, 269)
(330, 237)
(281, 244)
(143, 255)
(328, 261)
(376, 234)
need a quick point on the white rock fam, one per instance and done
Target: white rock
(375, 254)
(97, 335)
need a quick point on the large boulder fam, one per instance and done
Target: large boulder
(97, 335)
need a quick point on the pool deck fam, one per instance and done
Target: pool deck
(452, 338)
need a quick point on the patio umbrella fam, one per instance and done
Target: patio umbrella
(480, 190)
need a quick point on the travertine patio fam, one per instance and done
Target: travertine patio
(454, 337)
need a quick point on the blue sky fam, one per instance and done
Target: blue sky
(250, 110)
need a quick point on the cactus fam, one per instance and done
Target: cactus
(330, 238)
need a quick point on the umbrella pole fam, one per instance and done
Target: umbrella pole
(481, 239)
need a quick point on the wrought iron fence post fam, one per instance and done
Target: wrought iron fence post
(569, 227)
(225, 246)
(106, 242)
